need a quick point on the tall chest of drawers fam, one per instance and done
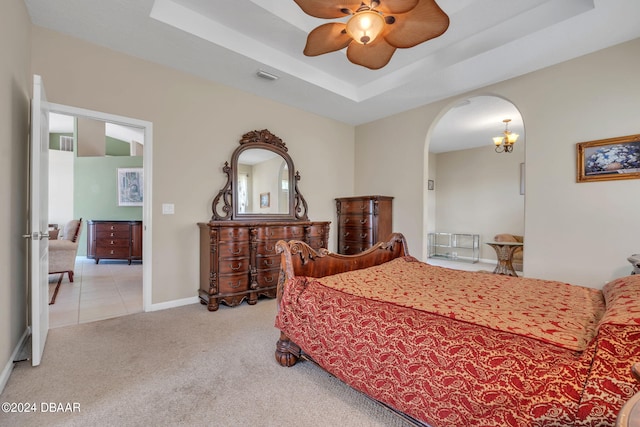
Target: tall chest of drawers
(362, 222)
(114, 240)
(238, 260)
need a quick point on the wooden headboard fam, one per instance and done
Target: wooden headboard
(299, 259)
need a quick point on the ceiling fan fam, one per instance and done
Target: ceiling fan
(375, 29)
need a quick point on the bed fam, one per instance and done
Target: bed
(455, 348)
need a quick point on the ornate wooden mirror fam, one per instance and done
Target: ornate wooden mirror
(261, 183)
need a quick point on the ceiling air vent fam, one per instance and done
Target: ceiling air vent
(267, 76)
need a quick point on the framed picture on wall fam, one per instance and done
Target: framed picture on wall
(609, 159)
(265, 200)
(130, 186)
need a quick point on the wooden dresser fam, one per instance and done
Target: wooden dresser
(238, 259)
(114, 240)
(362, 222)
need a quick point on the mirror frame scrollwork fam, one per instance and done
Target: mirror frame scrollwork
(223, 206)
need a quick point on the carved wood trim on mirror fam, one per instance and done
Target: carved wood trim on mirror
(261, 170)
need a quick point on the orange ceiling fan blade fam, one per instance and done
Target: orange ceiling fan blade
(327, 9)
(426, 21)
(396, 6)
(327, 38)
(374, 55)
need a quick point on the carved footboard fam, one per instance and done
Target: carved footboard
(299, 259)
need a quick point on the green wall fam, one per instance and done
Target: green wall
(117, 147)
(95, 191)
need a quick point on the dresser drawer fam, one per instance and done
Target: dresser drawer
(266, 248)
(266, 262)
(108, 243)
(232, 266)
(356, 206)
(317, 231)
(352, 248)
(317, 242)
(231, 283)
(234, 234)
(112, 226)
(267, 278)
(362, 220)
(118, 252)
(280, 232)
(356, 235)
(104, 235)
(233, 250)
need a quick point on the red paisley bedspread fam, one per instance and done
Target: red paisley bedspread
(447, 372)
(554, 312)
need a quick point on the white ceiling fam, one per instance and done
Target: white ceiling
(228, 41)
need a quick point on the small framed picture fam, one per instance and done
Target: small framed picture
(130, 186)
(609, 159)
(431, 185)
(265, 200)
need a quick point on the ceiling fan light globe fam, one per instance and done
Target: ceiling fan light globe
(363, 27)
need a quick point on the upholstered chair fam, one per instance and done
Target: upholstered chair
(517, 260)
(64, 249)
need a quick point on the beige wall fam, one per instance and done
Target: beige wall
(478, 192)
(580, 233)
(196, 126)
(15, 84)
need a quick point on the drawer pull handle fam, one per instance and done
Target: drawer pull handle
(363, 221)
(268, 262)
(111, 251)
(112, 243)
(363, 235)
(270, 248)
(111, 235)
(346, 220)
(268, 279)
(346, 234)
(237, 285)
(235, 252)
(236, 268)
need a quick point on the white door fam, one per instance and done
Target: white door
(39, 221)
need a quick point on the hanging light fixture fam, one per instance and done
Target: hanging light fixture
(365, 24)
(375, 29)
(504, 143)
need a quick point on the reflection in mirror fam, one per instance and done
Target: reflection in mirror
(263, 183)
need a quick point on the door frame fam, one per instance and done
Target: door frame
(147, 163)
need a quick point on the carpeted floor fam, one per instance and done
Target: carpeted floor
(182, 366)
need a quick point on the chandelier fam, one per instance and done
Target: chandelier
(504, 143)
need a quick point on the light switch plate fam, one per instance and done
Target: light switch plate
(168, 209)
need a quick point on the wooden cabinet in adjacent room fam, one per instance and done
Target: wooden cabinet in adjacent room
(238, 259)
(363, 221)
(114, 240)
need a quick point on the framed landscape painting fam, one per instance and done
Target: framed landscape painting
(609, 159)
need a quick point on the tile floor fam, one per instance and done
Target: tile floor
(111, 288)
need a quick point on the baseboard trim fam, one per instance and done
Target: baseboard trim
(174, 303)
(8, 368)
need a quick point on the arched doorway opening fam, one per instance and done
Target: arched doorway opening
(471, 188)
